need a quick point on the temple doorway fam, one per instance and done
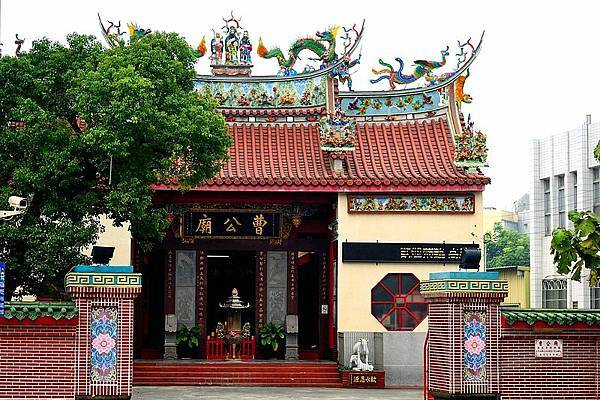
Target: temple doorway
(228, 270)
(308, 305)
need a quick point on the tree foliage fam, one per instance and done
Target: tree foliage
(508, 248)
(577, 248)
(140, 111)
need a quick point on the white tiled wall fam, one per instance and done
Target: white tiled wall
(563, 153)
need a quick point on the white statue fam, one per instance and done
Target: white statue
(359, 360)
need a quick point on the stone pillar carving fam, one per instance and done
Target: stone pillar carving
(185, 287)
(276, 286)
(104, 297)
(464, 332)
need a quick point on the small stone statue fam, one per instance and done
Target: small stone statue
(359, 360)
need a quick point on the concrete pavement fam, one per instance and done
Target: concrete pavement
(274, 393)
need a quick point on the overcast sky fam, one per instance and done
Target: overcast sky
(538, 73)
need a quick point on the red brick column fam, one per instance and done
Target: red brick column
(464, 332)
(104, 358)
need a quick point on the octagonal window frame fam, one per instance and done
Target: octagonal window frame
(398, 318)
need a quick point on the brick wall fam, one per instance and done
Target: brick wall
(574, 376)
(37, 358)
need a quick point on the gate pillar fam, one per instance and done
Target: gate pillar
(104, 359)
(462, 355)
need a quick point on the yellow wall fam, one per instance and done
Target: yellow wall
(117, 237)
(492, 215)
(355, 280)
(518, 286)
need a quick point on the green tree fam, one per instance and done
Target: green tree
(141, 115)
(579, 248)
(507, 248)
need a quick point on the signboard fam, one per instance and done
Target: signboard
(2, 278)
(404, 252)
(548, 348)
(231, 224)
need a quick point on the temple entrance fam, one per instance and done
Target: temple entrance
(308, 305)
(228, 270)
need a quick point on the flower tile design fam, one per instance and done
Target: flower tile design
(474, 346)
(104, 344)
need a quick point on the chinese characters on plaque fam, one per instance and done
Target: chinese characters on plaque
(232, 224)
(548, 348)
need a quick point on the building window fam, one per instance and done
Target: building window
(595, 297)
(547, 215)
(554, 293)
(596, 189)
(397, 303)
(574, 189)
(560, 193)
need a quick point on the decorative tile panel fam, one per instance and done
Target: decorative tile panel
(474, 346)
(391, 104)
(408, 204)
(275, 94)
(103, 363)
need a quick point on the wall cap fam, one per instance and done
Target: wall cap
(551, 316)
(463, 275)
(103, 279)
(20, 310)
(122, 269)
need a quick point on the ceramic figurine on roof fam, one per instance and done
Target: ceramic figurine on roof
(232, 46)
(114, 35)
(323, 46)
(470, 147)
(422, 68)
(245, 49)
(337, 131)
(230, 49)
(216, 49)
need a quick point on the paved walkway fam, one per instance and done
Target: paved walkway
(275, 393)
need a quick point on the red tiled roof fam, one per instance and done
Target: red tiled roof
(389, 156)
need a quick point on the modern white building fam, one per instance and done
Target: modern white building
(521, 208)
(565, 176)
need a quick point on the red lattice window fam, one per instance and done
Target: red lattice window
(397, 303)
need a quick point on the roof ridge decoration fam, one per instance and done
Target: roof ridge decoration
(235, 47)
(423, 69)
(470, 147)
(337, 132)
(323, 45)
(115, 37)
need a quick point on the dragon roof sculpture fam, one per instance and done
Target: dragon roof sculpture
(428, 90)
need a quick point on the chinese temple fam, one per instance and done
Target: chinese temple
(332, 207)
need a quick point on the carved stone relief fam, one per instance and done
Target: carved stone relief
(276, 286)
(185, 287)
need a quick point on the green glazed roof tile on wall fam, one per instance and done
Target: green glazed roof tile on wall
(34, 309)
(560, 317)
